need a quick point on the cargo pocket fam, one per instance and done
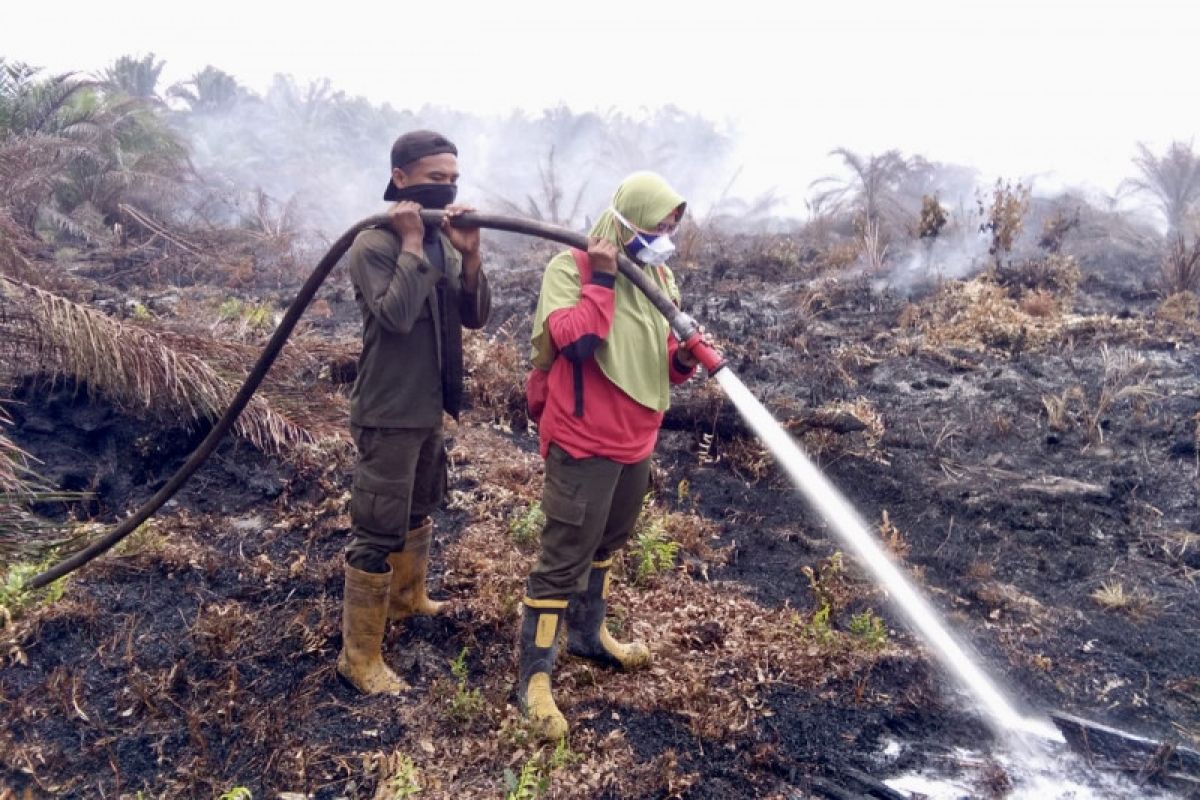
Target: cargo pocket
(561, 505)
(378, 514)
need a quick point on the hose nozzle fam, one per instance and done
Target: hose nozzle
(687, 331)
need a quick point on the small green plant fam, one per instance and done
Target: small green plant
(237, 793)
(653, 550)
(563, 755)
(528, 526)
(146, 538)
(825, 582)
(15, 597)
(818, 628)
(523, 785)
(870, 628)
(248, 315)
(534, 778)
(465, 704)
(826, 579)
(141, 313)
(403, 780)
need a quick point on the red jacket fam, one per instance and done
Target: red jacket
(613, 425)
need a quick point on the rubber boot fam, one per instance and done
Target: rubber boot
(539, 647)
(410, 567)
(364, 615)
(587, 635)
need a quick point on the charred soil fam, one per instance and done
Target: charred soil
(1036, 474)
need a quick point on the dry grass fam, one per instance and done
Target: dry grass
(496, 366)
(1177, 547)
(1054, 273)
(47, 334)
(1113, 596)
(979, 315)
(1180, 270)
(892, 538)
(872, 247)
(1058, 407)
(748, 458)
(1040, 304)
(862, 438)
(1125, 379)
(1180, 310)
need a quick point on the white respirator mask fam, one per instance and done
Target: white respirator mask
(655, 248)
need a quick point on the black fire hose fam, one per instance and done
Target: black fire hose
(685, 328)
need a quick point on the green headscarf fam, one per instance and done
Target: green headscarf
(634, 356)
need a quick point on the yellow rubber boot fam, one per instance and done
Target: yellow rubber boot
(364, 615)
(410, 568)
(587, 635)
(539, 646)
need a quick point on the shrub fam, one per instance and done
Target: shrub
(528, 526)
(870, 628)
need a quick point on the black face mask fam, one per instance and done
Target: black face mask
(428, 195)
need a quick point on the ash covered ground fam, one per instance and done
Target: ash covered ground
(1024, 441)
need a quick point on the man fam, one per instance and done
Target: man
(417, 287)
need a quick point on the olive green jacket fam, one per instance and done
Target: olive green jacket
(399, 383)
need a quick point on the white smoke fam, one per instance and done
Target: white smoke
(324, 157)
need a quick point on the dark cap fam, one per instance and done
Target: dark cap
(416, 145)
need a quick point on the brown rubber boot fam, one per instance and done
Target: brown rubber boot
(410, 567)
(364, 615)
(587, 635)
(539, 646)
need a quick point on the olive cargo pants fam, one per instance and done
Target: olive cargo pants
(399, 479)
(591, 507)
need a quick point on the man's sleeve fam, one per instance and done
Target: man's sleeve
(394, 289)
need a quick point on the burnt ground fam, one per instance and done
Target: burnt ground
(1038, 474)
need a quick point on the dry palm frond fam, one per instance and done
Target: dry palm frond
(14, 466)
(874, 249)
(44, 332)
(22, 533)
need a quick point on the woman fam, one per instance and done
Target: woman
(609, 358)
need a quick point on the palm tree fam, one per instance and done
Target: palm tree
(134, 77)
(870, 190)
(69, 156)
(30, 104)
(44, 127)
(1173, 181)
(209, 90)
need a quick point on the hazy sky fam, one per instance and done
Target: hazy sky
(1056, 89)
